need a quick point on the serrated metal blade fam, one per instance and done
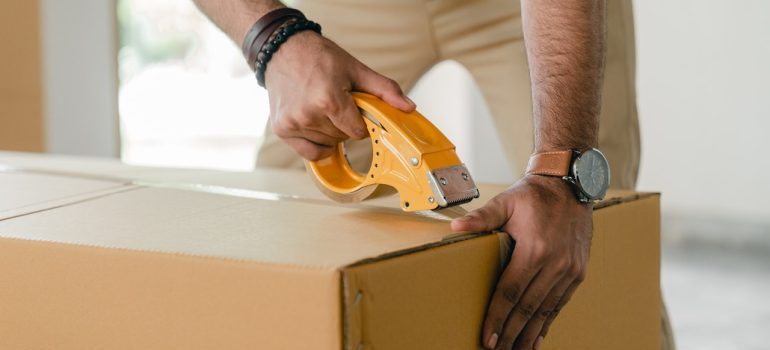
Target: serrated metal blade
(444, 214)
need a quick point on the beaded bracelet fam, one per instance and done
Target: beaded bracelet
(256, 37)
(273, 44)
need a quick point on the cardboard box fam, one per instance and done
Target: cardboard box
(171, 265)
(22, 124)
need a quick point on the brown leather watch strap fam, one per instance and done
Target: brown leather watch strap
(261, 30)
(553, 163)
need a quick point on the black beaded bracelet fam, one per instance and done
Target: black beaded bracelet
(272, 46)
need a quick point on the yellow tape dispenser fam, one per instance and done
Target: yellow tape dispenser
(409, 154)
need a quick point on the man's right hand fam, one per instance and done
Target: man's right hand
(310, 80)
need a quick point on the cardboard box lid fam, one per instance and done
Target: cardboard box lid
(284, 181)
(176, 221)
(23, 193)
(254, 228)
(262, 182)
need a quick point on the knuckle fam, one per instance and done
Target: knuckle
(285, 125)
(563, 266)
(313, 153)
(511, 294)
(555, 311)
(280, 130)
(540, 252)
(352, 124)
(544, 314)
(305, 120)
(556, 299)
(577, 271)
(392, 84)
(526, 311)
(581, 274)
(327, 104)
(539, 246)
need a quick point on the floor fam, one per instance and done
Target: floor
(716, 283)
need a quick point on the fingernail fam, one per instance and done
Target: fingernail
(492, 342)
(464, 218)
(537, 342)
(410, 101)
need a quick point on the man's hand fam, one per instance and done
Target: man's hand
(310, 80)
(552, 231)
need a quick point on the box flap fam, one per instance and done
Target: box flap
(283, 232)
(259, 216)
(270, 231)
(290, 182)
(284, 182)
(23, 193)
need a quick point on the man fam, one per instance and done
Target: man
(309, 80)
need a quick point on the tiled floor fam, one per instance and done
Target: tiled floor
(716, 283)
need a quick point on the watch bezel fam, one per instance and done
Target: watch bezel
(583, 195)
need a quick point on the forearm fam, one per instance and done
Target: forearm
(235, 17)
(565, 42)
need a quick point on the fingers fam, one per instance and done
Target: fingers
(367, 80)
(511, 287)
(524, 310)
(316, 128)
(347, 118)
(528, 338)
(555, 312)
(493, 215)
(308, 149)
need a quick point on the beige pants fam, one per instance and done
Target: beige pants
(403, 39)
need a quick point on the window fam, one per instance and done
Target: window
(186, 99)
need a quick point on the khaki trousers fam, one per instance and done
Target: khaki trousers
(403, 39)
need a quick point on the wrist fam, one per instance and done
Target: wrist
(553, 187)
(269, 32)
(587, 171)
(281, 37)
(541, 147)
(246, 21)
(296, 47)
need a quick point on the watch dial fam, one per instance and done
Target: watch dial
(592, 173)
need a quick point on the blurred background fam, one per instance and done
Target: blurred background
(155, 83)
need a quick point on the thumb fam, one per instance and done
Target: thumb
(388, 90)
(493, 215)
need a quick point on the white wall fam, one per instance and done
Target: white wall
(704, 104)
(80, 76)
(704, 107)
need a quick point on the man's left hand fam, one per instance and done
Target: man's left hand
(552, 231)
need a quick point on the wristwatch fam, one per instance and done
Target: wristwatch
(587, 171)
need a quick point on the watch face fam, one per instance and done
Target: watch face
(592, 173)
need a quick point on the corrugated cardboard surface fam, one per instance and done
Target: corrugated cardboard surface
(263, 182)
(61, 296)
(446, 287)
(21, 90)
(24, 192)
(157, 268)
(276, 232)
